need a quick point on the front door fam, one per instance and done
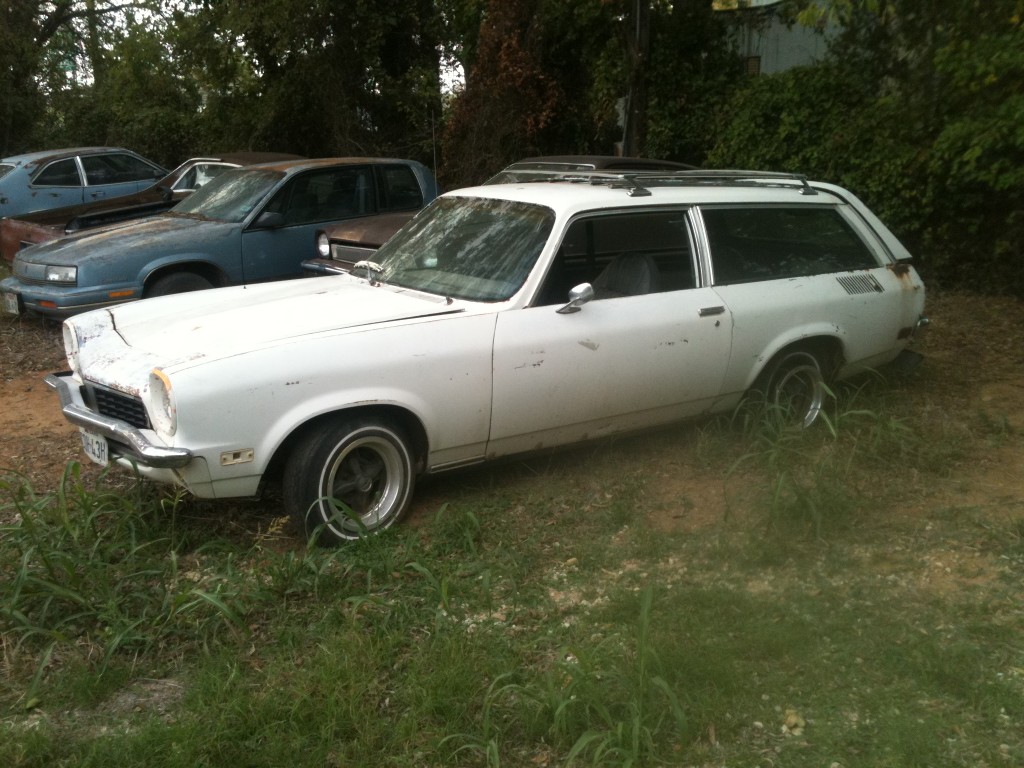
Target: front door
(306, 204)
(649, 349)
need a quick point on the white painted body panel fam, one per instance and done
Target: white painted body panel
(619, 364)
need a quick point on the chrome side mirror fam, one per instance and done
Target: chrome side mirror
(578, 296)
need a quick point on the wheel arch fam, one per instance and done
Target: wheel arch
(406, 420)
(827, 349)
(197, 266)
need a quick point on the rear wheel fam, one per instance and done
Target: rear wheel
(349, 479)
(793, 387)
(177, 282)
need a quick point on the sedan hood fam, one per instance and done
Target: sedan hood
(150, 235)
(187, 329)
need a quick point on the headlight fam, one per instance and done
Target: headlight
(162, 410)
(71, 346)
(57, 274)
(323, 245)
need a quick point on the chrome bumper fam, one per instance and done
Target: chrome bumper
(129, 442)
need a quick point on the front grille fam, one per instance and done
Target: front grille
(117, 405)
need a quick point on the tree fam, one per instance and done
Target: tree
(41, 45)
(919, 110)
(553, 76)
(317, 78)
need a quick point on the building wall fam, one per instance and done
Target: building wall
(766, 41)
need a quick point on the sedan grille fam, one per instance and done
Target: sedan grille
(117, 405)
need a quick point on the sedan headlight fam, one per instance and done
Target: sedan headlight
(323, 245)
(162, 410)
(59, 274)
(71, 347)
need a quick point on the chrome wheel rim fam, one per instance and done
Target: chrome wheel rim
(800, 393)
(362, 486)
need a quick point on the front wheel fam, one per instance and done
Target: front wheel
(349, 479)
(793, 387)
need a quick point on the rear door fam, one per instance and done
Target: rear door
(57, 184)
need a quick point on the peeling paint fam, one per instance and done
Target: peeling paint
(591, 345)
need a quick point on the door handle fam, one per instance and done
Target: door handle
(709, 311)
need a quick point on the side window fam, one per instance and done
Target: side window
(400, 188)
(317, 196)
(63, 173)
(749, 244)
(116, 168)
(622, 254)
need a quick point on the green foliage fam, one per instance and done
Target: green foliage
(549, 76)
(919, 111)
(527, 619)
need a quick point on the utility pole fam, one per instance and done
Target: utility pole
(634, 132)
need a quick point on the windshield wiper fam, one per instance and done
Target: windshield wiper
(372, 270)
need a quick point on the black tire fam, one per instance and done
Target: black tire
(364, 464)
(793, 388)
(177, 282)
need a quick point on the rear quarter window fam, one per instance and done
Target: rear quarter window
(5, 169)
(769, 243)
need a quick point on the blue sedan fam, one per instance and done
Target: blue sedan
(42, 180)
(247, 225)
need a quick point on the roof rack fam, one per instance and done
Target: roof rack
(638, 182)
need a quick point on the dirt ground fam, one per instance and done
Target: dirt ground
(973, 363)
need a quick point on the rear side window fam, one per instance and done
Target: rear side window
(750, 244)
(116, 168)
(63, 173)
(5, 169)
(401, 191)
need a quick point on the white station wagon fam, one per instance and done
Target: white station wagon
(502, 319)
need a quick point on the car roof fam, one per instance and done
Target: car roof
(569, 194)
(330, 162)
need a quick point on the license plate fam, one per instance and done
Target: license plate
(11, 303)
(95, 447)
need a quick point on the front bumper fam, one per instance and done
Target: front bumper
(125, 441)
(59, 302)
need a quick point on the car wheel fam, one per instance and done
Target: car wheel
(794, 388)
(348, 480)
(177, 282)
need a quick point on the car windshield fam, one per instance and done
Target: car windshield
(231, 196)
(467, 248)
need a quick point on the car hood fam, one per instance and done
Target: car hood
(176, 332)
(147, 236)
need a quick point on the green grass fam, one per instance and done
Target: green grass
(534, 615)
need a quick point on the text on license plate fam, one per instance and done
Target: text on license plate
(11, 303)
(95, 447)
